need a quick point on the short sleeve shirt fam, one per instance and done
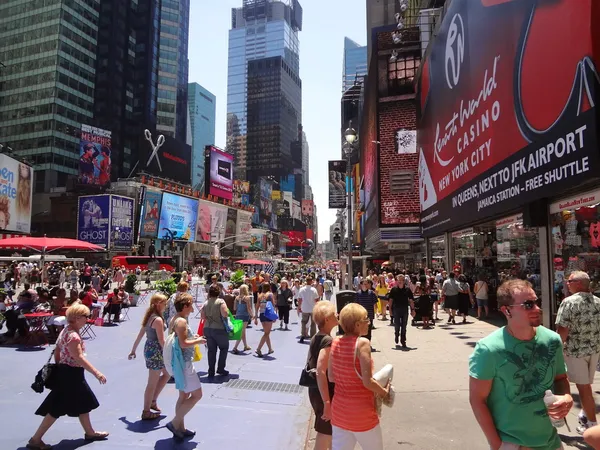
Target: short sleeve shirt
(580, 313)
(450, 287)
(66, 337)
(309, 296)
(521, 372)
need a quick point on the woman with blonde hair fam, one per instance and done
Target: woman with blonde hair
(382, 295)
(243, 311)
(170, 312)
(72, 395)
(154, 328)
(264, 297)
(353, 414)
(318, 359)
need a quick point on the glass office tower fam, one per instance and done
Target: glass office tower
(202, 104)
(355, 63)
(262, 29)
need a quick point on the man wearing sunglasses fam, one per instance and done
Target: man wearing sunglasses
(511, 369)
(578, 323)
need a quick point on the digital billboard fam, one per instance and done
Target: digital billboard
(307, 207)
(178, 217)
(219, 167)
(121, 222)
(296, 210)
(243, 227)
(212, 222)
(241, 192)
(288, 183)
(15, 195)
(173, 159)
(506, 108)
(93, 216)
(95, 149)
(337, 184)
(151, 213)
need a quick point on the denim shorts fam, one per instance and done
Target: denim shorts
(482, 302)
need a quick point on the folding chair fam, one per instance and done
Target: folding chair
(125, 311)
(88, 330)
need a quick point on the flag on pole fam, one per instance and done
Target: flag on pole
(270, 269)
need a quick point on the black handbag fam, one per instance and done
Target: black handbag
(308, 377)
(46, 376)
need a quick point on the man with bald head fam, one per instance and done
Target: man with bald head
(578, 323)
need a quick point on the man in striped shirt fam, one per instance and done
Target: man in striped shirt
(367, 298)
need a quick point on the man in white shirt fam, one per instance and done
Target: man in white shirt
(307, 297)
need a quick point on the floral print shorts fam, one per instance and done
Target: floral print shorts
(154, 355)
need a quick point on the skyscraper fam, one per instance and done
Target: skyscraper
(355, 63)
(202, 105)
(173, 68)
(48, 50)
(264, 87)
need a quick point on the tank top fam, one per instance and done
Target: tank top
(353, 406)
(151, 334)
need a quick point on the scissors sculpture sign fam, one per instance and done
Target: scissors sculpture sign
(159, 142)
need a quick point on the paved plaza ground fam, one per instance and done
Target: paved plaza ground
(431, 379)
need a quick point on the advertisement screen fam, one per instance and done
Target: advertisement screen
(258, 240)
(212, 222)
(121, 223)
(495, 133)
(178, 217)
(296, 238)
(307, 207)
(296, 210)
(93, 214)
(288, 199)
(288, 183)
(151, 213)
(171, 160)
(220, 170)
(241, 192)
(243, 227)
(337, 184)
(15, 195)
(95, 148)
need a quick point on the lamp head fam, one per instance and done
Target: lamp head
(350, 134)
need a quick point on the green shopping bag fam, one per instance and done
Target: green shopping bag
(238, 326)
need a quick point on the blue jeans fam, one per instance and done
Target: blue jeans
(216, 338)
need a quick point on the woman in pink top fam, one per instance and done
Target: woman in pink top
(353, 415)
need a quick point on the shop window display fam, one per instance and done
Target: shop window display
(575, 246)
(437, 248)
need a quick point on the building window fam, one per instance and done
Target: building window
(401, 74)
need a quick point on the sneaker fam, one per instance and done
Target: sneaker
(280, 325)
(302, 340)
(223, 372)
(582, 428)
(581, 417)
(286, 328)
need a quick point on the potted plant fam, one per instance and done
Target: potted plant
(237, 278)
(134, 294)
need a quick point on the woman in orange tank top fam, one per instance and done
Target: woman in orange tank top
(353, 414)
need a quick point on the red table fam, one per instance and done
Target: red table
(37, 323)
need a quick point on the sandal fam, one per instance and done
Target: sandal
(149, 415)
(154, 407)
(235, 351)
(246, 348)
(97, 436)
(271, 351)
(259, 353)
(41, 446)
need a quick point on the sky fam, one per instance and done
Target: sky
(325, 24)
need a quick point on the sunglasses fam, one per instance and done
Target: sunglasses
(528, 305)
(86, 316)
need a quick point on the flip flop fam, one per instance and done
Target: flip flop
(154, 407)
(149, 415)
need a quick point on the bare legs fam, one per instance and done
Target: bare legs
(157, 380)
(266, 337)
(184, 405)
(48, 421)
(586, 396)
(235, 347)
(322, 442)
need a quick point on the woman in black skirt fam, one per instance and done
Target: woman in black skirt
(71, 396)
(464, 297)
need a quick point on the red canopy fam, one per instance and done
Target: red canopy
(252, 262)
(46, 244)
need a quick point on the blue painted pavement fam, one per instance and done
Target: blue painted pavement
(225, 418)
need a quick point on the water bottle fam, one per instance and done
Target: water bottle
(550, 398)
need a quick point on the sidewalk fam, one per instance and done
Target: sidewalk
(431, 379)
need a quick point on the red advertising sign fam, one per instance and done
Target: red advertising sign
(506, 108)
(296, 238)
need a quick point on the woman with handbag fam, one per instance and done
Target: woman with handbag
(153, 327)
(264, 307)
(353, 411)
(284, 303)
(320, 389)
(214, 312)
(71, 395)
(191, 391)
(243, 311)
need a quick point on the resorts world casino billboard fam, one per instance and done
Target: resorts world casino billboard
(506, 108)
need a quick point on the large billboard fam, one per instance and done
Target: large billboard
(172, 160)
(95, 150)
(243, 227)
(93, 219)
(151, 214)
(337, 184)
(288, 183)
(241, 192)
(219, 167)
(506, 108)
(212, 222)
(121, 223)
(307, 208)
(15, 195)
(178, 217)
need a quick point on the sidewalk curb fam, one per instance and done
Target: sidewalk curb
(310, 432)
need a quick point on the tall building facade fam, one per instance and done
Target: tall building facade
(355, 63)
(202, 104)
(47, 84)
(263, 86)
(173, 68)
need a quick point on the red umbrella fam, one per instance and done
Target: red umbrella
(46, 244)
(253, 262)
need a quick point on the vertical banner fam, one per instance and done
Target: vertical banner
(151, 214)
(15, 195)
(220, 173)
(95, 148)
(337, 184)
(121, 223)
(243, 227)
(212, 222)
(93, 214)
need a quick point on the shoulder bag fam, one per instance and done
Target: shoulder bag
(46, 376)
(308, 376)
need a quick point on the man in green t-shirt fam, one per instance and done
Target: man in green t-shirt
(511, 369)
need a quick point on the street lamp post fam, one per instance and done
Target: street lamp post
(350, 135)
(218, 239)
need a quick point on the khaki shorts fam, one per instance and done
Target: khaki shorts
(581, 370)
